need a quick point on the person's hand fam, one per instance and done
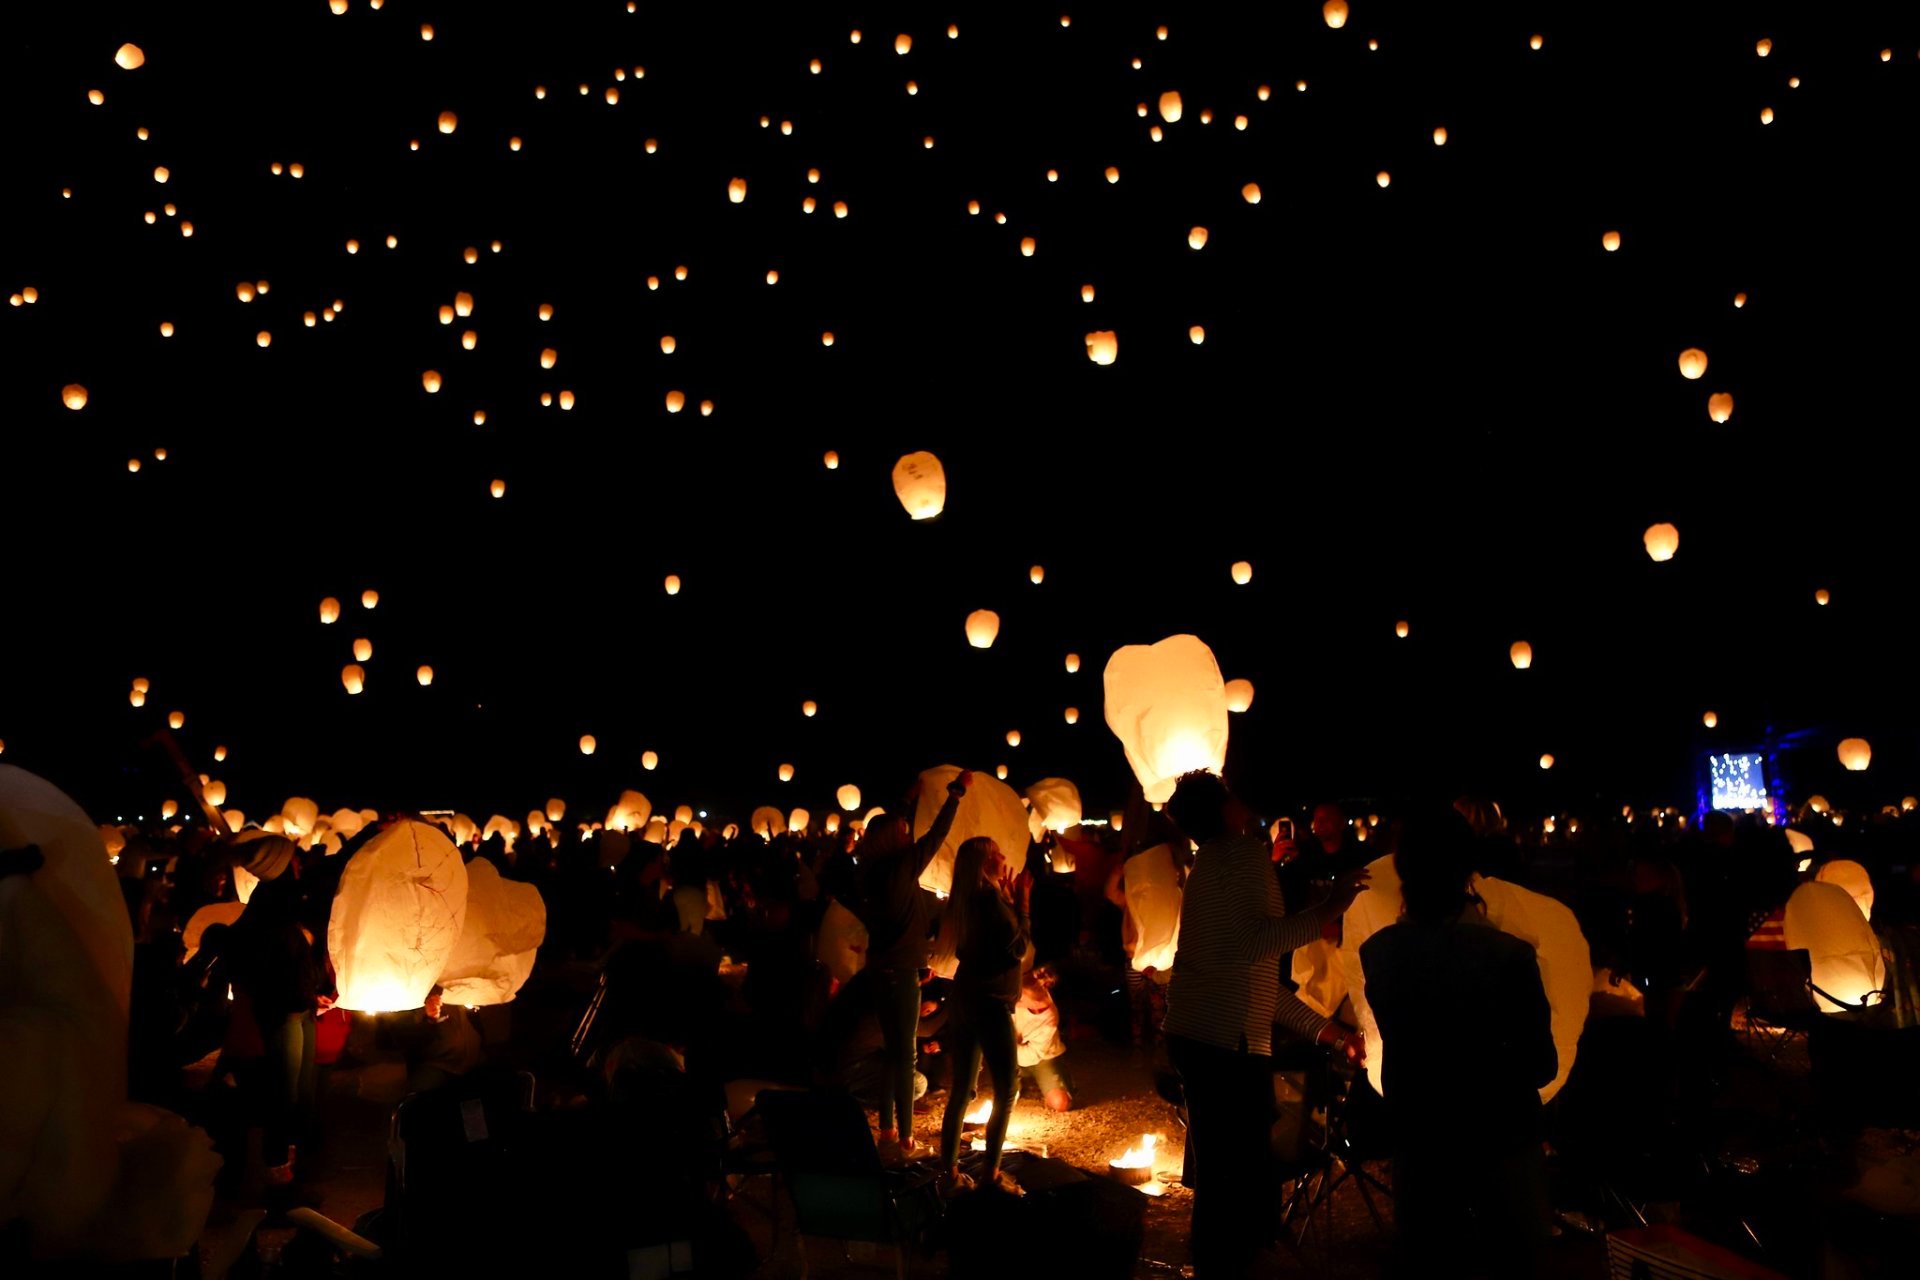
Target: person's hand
(958, 787)
(931, 1046)
(928, 1008)
(324, 1002)
(1346, 889)
(1018, 889)
(1349, 1044)
(1285, 851)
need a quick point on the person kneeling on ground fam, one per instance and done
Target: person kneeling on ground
(1036, 1023)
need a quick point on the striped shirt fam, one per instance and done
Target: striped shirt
(1234, 927)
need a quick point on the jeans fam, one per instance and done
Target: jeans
(983, 1030)
(289, 1081)
(896, 996)
(1229, 1165)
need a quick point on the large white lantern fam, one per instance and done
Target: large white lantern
(921, 483)
(506, 922)
(1824, 921)
(396, 917)
(1056, 804)
(990, 808)
(1167, 704)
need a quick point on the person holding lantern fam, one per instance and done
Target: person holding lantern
(892, 906)
(1222, 1005)
(990, 931)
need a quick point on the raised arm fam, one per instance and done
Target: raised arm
(929, 844)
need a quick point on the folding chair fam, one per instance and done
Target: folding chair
(1338, 1157)
(1780, 1004)
(827, 1162)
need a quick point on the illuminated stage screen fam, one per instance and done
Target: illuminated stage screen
(1739, 781)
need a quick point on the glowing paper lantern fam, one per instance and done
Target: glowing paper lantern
(1242, 572)
(1239, 695)
(848, 796)
(1073, 663)
(1037, 574)
(785, 773)
(1251, 193)
(1401, 628)
(1852, 877)
(799, 820)
(1821, 596)
(1072, 715)
(1153, 908)
(1196, 237)
(1566, 970)
(673, 584)
(1823, 920)
(831, 460)
(1167, 704)
(424, 675)
(176, 719)
(676, 401)
(1055, 804)
(1335, 13)
(74, 396)
(1546, 761)
(505, 923)
(1711, 719)
(809, 708)
(1855, 754)
(1170, 107)
(587, 744)
(920, 482)
(329, 611)
(983, 625)
(354, 677)
(397, 916)
(737, 191)
(556, 809)
(1661, 541)
(767, 821)
(129, 57)
(430, 380)
(989, 808)
(362, 649)
(1693, 363)
(498, 488)
(1440, 136)
(449, 122)
(1383, 179)
(1610, 241)
(1013, 737)
(1522, 655)
(369, 599)
(1720, 406)
(1103, 346)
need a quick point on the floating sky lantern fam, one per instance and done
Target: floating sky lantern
(362, 649)
(1170, 107)
(1383, 179)
(588, 744)
(431, 382)
(449, 122)
(1055, 804)
(1334, 12)
(1072, 715)
(737, 191)
(1013, 737)
(1855, 754)
(809, 708)
(1196, 237)
(989, 808)
(1661, 541)
(920, 482)
(1251, 193)
(1521, 654)
(354, 677)
(784, 773)
(673, 584)
(1239, 695)
(831, 460)
(848, 796)
(74, 396)
(1401, 628)
(1440, 136)
(1027, 246)
(1720, 406)
(676, 401)
(1242, 572)
(1073, 663)
(1711, 719)
(329, 611)
(983, 625)
(498, 488)
(1822, 596)
(1546, 761)
(1103, 346)
(424, 675)
(1693, 363)
(1167, 704)
(649, 760)
(1610, 241)
(1037, 574)
(369, 599)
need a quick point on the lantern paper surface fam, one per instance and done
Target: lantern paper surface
(983, 627)
(990, 808)
(76, 879)
(767, 821)
(1056, 804)
(1852, 877)
(1153, 908)
(1560, 949)
(1167, 704)
(396, 917)
(1239, 695)
(505, 924)
(1855, 754)
(1824, 921)
(921, 484)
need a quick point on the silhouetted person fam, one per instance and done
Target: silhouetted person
(1221, 1008)
(1467, 1044)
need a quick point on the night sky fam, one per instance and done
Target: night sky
(1442, 400)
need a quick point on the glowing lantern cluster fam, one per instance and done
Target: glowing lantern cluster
(920, 482)
(1167, 704)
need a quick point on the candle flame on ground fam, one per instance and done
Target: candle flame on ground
(979, 1112)
(1140, 1154)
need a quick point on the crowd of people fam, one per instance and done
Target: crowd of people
(817, 960)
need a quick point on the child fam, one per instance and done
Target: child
(1036, 1024)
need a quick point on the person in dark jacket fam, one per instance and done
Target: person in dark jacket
(991, 943)
(891, 904)
(1467, 1043)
